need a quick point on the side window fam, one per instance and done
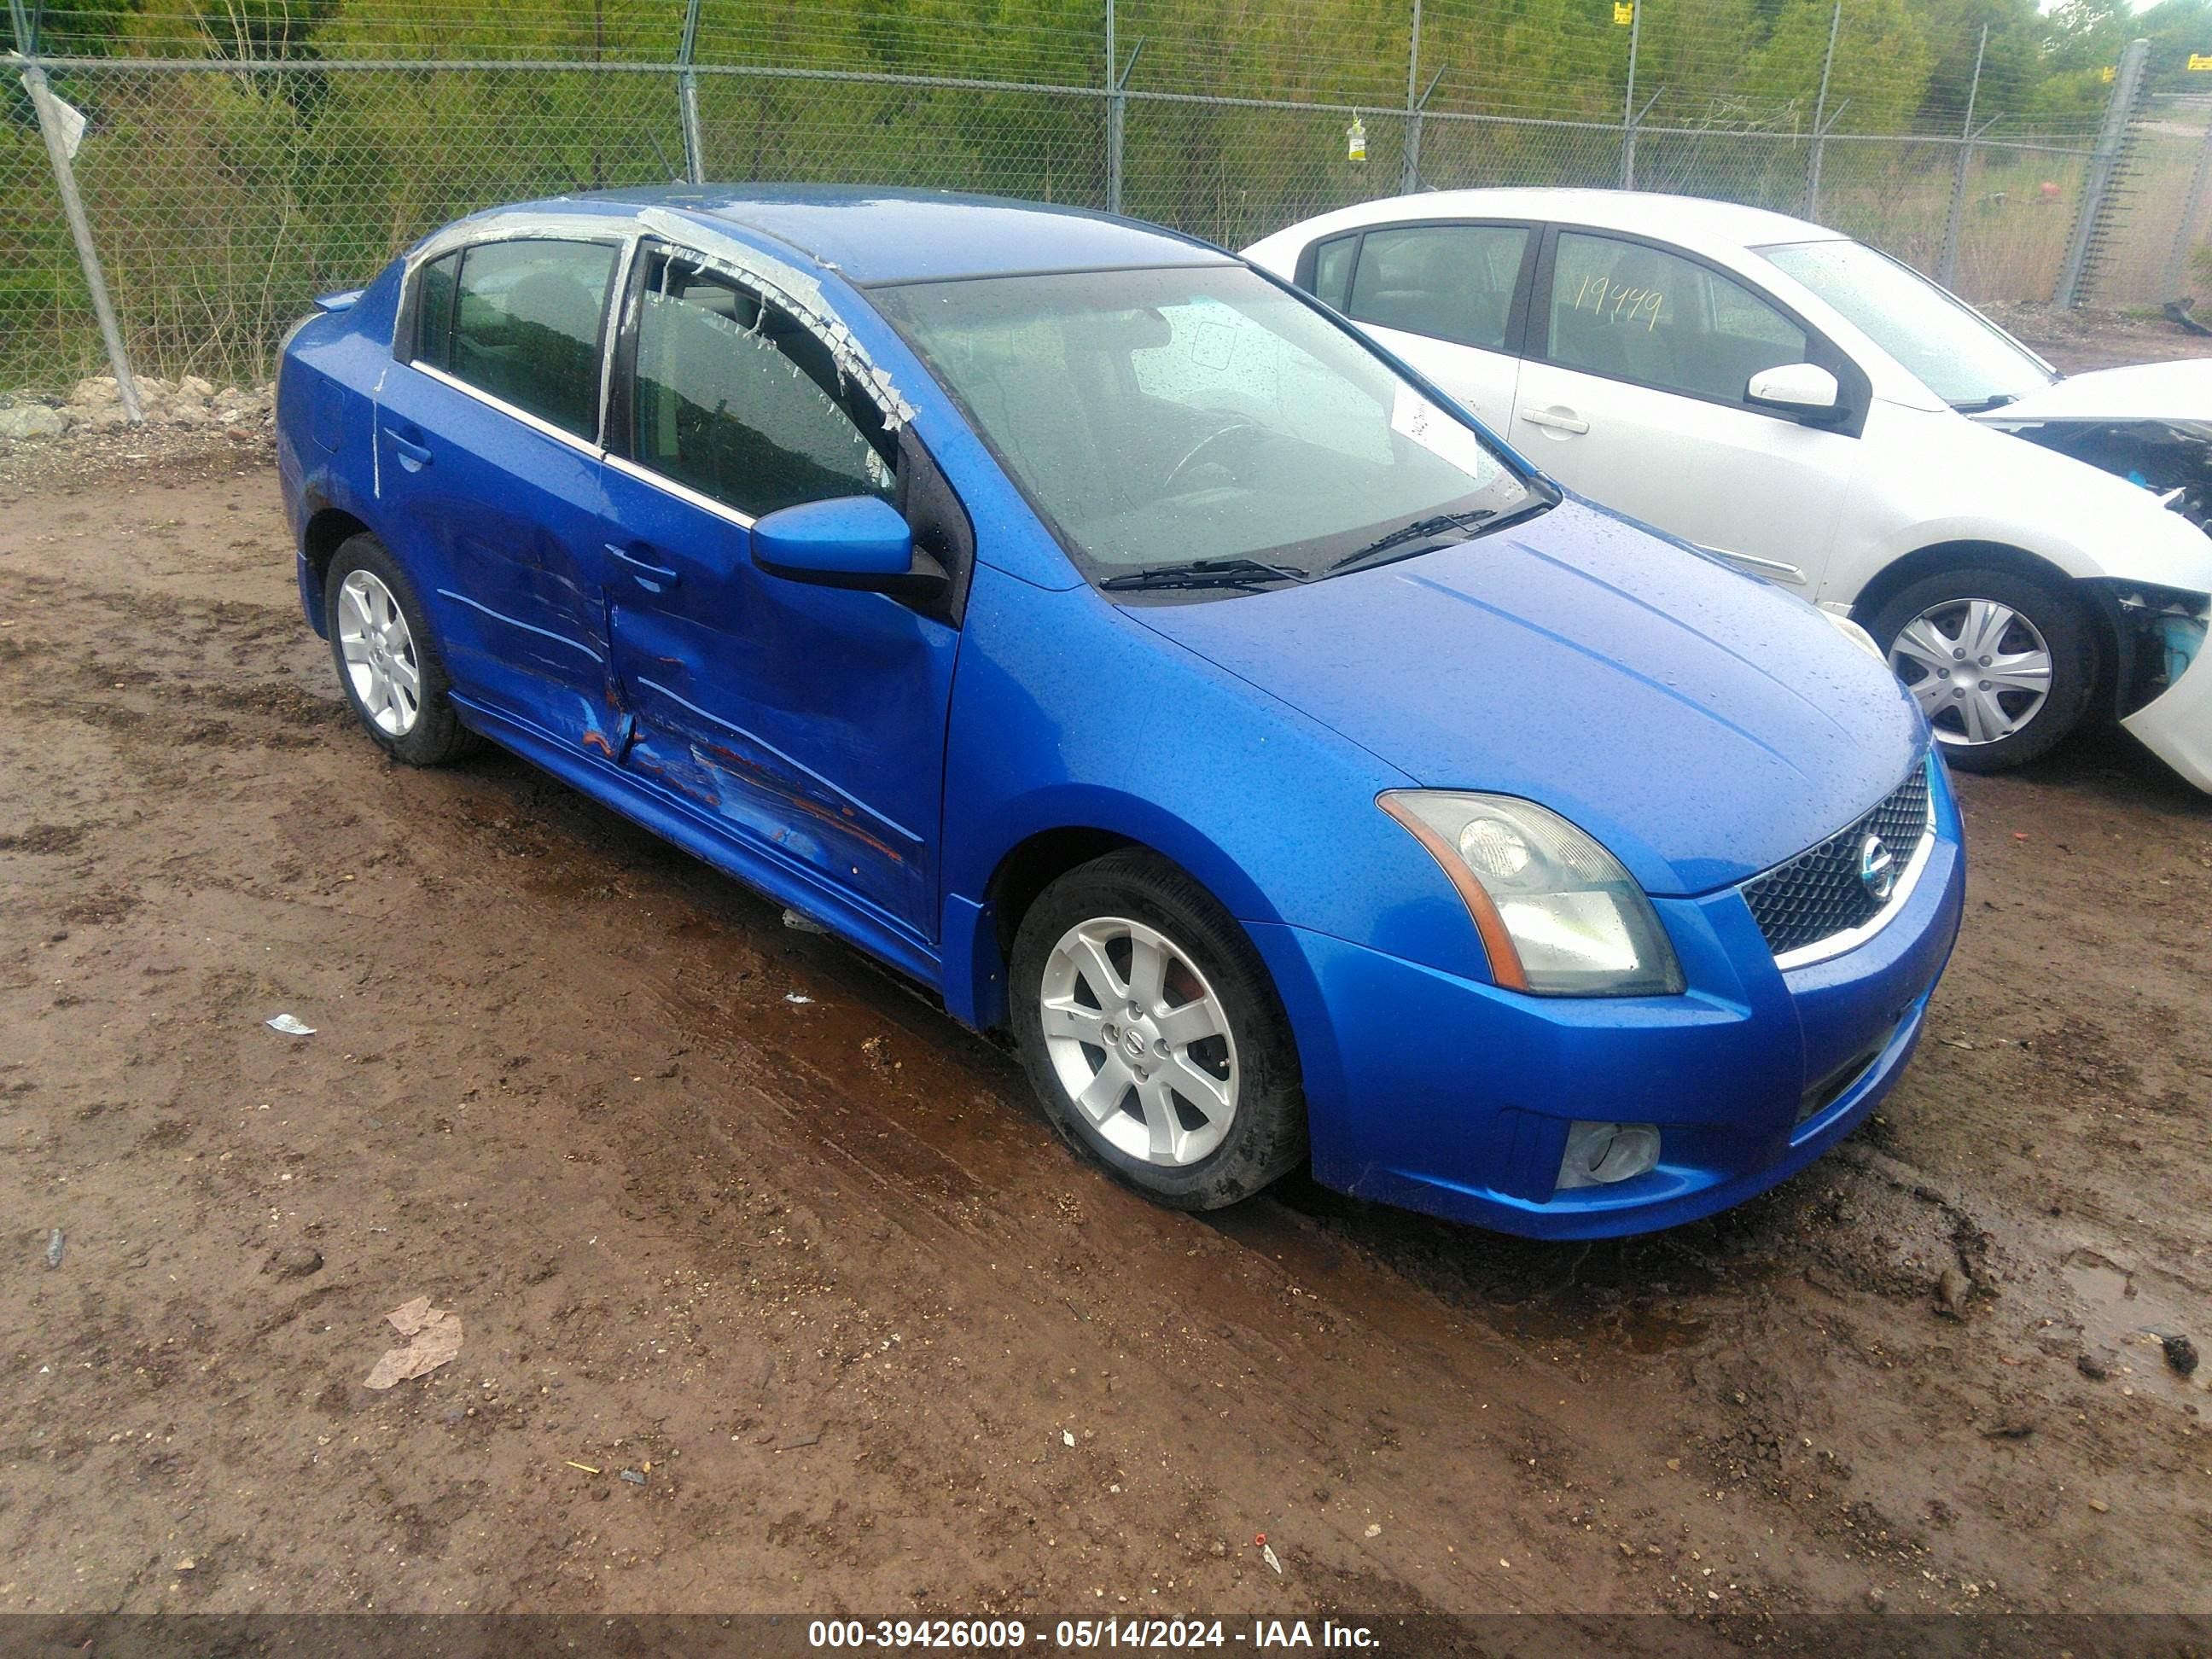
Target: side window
(1632, 313)
(526, 326)
(434, 311)
(1333, 271)
(1453, 282)
(737, 400)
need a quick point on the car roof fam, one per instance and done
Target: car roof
(875, 235)
(1686, 219)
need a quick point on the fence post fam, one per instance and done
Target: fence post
(1628, 99)
(2104, 162)
(1114, 109)
(58, 155)
(687, 92)
(1819, 117)
(1946, 272)
(2184, 233)
(1409, 173)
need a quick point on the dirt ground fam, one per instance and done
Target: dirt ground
(719, 1204)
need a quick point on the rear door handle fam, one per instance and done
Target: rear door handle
(653, 577)
(1556, 420)
(412, 455)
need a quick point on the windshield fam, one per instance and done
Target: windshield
(1200, 421)
(1942, 341)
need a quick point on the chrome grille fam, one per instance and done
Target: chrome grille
(1819, 894)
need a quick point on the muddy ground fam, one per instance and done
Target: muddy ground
(817, 1272)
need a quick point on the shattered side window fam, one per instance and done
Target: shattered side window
(526, 320)
(738, 401)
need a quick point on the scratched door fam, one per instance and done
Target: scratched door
(808, 720)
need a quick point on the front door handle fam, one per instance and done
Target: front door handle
(651, 576)
(412, 455)
(1555, 420)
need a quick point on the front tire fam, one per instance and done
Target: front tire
(2002, 664)
(387, 664)
(1152, 1035)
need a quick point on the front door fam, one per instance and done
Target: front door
(1633, 393)
(809, 721)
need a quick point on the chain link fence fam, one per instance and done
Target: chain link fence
(227, 177)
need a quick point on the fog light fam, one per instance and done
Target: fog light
(1599, 1154)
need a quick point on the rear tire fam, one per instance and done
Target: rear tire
(388, 666)
(2001, 663)
(1153, 1035)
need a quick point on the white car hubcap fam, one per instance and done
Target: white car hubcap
(1980, 670)
(380, 654)
(1139, 1040)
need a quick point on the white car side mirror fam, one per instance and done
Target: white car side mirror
(1795, 388)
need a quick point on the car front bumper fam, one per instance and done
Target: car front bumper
(2176, 726)
(1450, 1096)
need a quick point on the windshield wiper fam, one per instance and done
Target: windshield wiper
(1204, 573)
(1983, 405)
(1412, 532)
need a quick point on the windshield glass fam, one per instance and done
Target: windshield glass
(1171, 418)
(1945, 343)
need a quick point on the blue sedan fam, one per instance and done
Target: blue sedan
(1096, 628)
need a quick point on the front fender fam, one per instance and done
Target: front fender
(1939, 478)
(1069, 715)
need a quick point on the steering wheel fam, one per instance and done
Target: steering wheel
(1190, 456)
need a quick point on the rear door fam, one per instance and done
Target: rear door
(1633, 393)
(1450, 298)
(487, 462)
(809, 721)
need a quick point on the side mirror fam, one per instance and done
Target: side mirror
(853, 541)
(1802, 389)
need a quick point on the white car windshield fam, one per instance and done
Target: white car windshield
(1944, 342)
(1200, 416)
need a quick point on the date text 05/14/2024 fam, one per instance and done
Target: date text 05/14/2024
(982, 1635)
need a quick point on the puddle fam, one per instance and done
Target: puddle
(2119, 1310)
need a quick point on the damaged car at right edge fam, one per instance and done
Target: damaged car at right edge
(1808, 409)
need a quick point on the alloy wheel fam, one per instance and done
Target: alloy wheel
(380, 660)
(1980, 670)
(1139, 1040)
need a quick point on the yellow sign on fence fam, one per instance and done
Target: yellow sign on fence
(2105, 74)
(2200, 60)
(1624, 13)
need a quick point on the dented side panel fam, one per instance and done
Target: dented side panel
(501, 527)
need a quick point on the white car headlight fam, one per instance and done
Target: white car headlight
(1858, 635)
(1557, 913)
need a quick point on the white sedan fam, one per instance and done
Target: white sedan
(1817, 413)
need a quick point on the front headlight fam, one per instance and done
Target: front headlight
(1557, 913)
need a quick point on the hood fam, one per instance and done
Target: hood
(2176, 392)
(1703, 725)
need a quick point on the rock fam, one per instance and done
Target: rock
(30, 420)
(296, 1263)
(189, 415)
(1951, 1291)
(2091, 1366)
(108, 418)
(2180, 1353)
(195, 388)
(97, 391)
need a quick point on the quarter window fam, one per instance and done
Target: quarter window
(524, 324)
(1452, 282)
(737, 400)
(1634, 313)
(1333, 271)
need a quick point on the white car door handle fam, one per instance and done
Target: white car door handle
(1557, 420)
